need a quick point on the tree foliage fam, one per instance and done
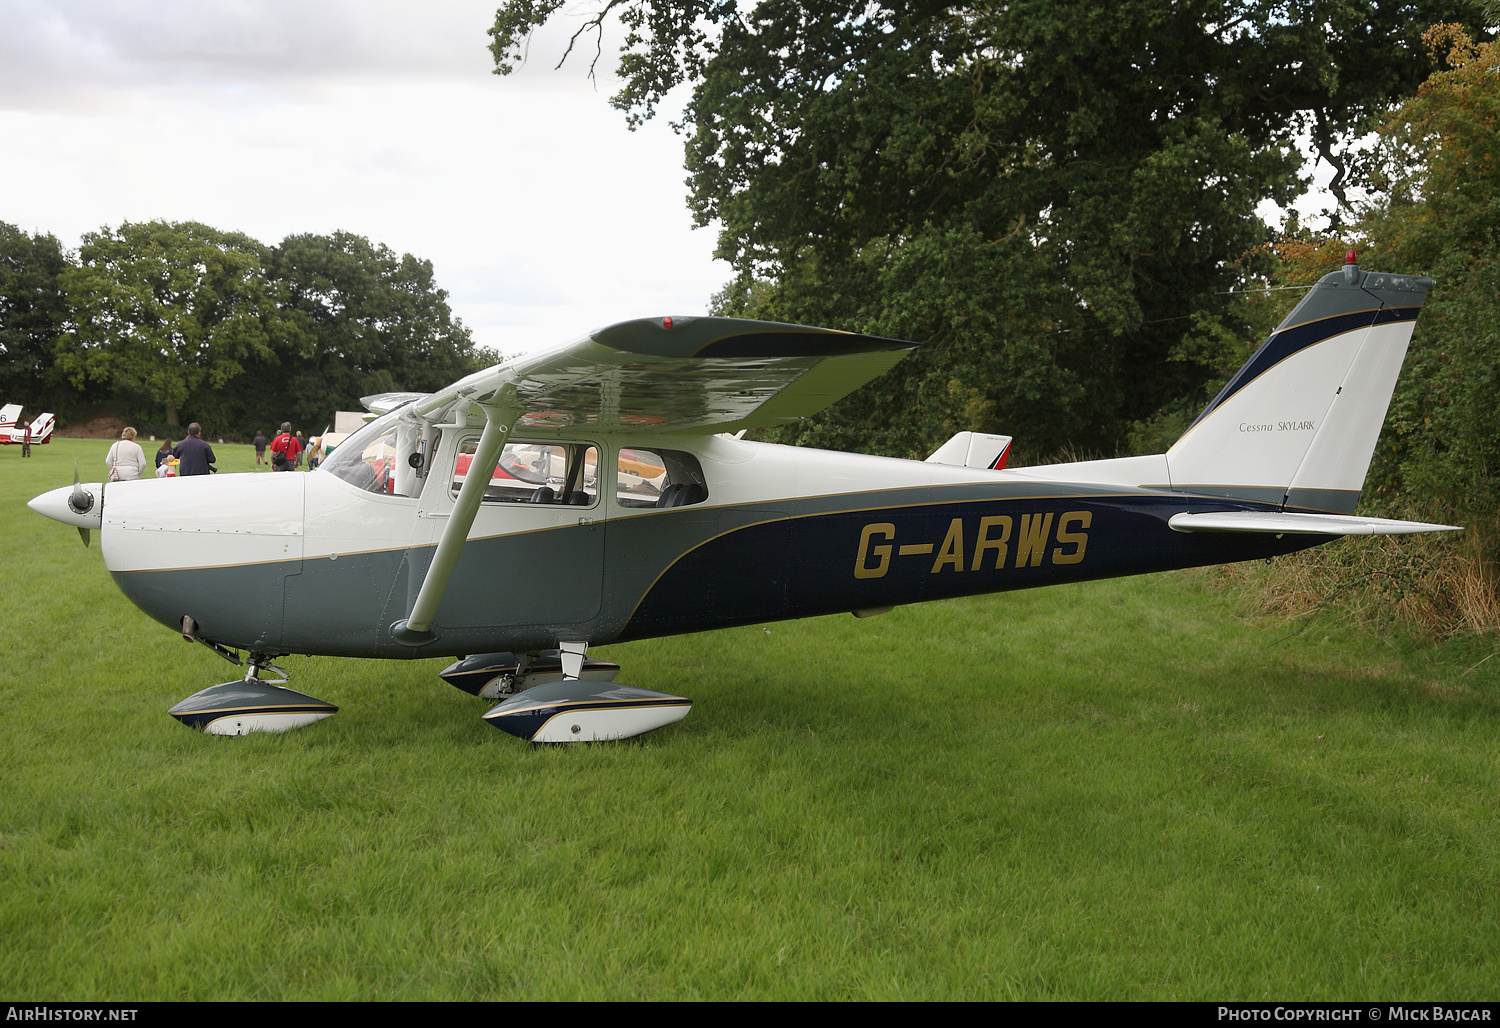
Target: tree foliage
(1055, 197)
(1436, 211)
(166, 308)
(375, 321)
(33, 313)
(178, 321)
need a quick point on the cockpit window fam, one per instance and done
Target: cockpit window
(557, 473)
(659, 478)
(389, 456)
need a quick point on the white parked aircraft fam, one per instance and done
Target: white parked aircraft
(621, 507)
(13, 430)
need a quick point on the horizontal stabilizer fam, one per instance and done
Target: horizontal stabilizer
(1279, 523)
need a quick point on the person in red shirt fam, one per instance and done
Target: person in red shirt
(285, 449)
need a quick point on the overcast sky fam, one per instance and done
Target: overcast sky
(543, 216)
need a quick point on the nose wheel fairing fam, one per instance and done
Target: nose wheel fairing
(238, 708)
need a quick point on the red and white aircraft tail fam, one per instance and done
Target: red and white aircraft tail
(12, 432)
(974, 450)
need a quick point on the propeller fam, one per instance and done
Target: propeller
(80, 501)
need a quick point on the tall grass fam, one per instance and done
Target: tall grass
(1130, 789)
(1435, 586)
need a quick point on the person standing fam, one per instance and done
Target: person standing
(260, 447)
(162, 455)
(26, 441)
(195, 454)
(285, 449)
(125, 460)
(301, 448)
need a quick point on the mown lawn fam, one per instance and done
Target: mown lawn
(1117, 790)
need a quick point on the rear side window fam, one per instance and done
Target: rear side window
(658, 478)
(556, 473)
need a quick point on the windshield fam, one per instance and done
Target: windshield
(391, 456)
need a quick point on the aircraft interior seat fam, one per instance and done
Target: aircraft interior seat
(681, 494)
(544, 494)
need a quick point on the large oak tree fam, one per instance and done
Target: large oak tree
(1056, 197)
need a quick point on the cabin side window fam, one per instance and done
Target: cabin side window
(556, 473)
(658, 478)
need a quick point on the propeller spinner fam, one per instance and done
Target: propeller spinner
(80, 505)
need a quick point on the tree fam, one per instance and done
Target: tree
(1056, 197)
(166, 309)
(1436, 211)
(376, 322)
(33, 313)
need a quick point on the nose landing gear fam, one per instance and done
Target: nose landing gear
(251, 704)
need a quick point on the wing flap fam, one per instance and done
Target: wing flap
(1280, 523)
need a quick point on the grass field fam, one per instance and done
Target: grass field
(1122, 790)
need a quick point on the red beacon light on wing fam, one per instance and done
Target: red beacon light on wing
(667, 322)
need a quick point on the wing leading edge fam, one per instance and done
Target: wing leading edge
(679, 374)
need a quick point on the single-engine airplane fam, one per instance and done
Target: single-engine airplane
(13, 430)
(623, 506)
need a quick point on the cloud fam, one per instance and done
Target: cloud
(543, 216)
(93, 53)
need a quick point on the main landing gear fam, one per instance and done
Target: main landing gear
(546, 696)
(563, 696)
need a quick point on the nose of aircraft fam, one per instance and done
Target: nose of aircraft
(63, 504)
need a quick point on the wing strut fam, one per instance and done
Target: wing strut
(416, 629)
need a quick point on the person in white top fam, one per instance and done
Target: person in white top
(125, 459)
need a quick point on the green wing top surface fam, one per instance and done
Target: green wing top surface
(680, 374)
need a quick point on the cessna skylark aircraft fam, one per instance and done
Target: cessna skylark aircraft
(623, 505)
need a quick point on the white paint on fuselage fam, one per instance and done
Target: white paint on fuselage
(223, 520)
(202, 521)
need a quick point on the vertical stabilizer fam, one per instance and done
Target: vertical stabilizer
(1297, 425)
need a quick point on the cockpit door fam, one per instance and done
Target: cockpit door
(535, 554)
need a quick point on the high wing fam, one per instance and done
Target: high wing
(668, 374)
(678, 374)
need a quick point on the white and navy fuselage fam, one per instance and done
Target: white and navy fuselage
(307, 563)
(314, 563)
